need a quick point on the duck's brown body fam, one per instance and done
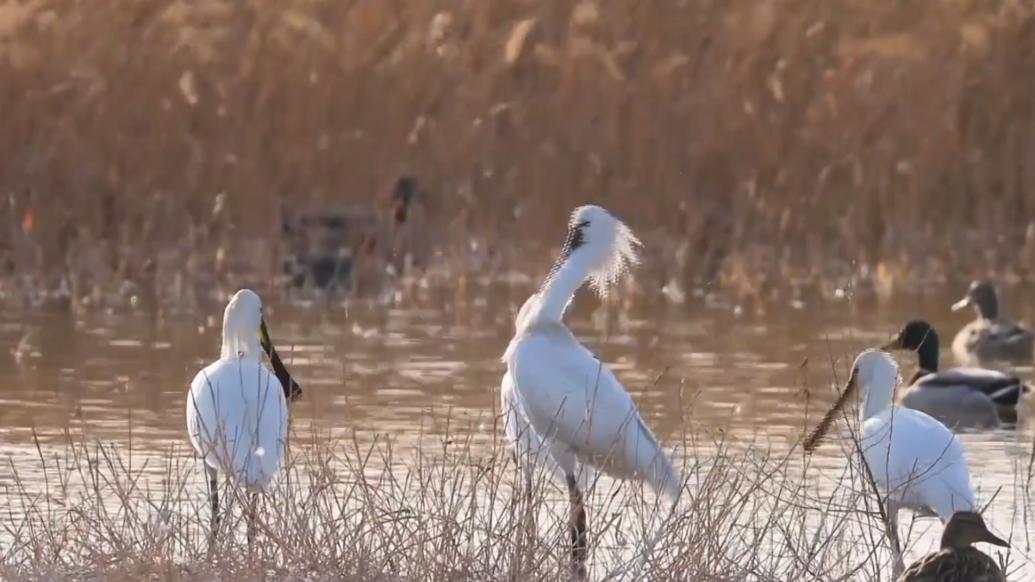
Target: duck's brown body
(950, 565)
(989, 340)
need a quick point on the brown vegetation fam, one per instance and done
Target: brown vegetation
(446, 511)
(782, 144)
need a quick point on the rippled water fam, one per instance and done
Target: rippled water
(417, 372)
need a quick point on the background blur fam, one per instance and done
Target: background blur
(159, 150)
(415, 161)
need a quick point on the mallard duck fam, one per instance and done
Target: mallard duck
(958, 561)
(965, 397)
(988, 338)
(354, 248)
(914, 460)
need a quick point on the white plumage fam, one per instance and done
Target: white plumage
(916, 462)
(531, 451)
(580, 410)
(558, 394)
(237, 412)
(237, 420)
(561, 404)
(915, 459)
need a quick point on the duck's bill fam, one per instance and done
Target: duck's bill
(292, 391)
(961, 304)
(893, 345)
(995, 540)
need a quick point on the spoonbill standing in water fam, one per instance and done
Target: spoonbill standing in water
(914, 460)
(561, 403)
(237, 414)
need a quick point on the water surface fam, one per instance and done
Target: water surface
(417, 372)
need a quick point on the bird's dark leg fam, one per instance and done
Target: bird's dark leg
(529, 517)
(213, 496)
(577, 529)
(253, 499)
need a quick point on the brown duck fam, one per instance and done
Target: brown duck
(989, 338)
(958, 561)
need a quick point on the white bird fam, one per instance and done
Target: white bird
(914, 460)
(237, 413)
(530, 450)
(562, 405)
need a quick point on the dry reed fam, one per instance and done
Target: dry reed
(449, 509)
(792, 146)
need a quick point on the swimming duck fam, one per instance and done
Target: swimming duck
(989, 338)
(967, 397)
(356, 248)
(958, 561)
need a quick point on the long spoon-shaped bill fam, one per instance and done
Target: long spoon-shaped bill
(292, 391)
(823, 427)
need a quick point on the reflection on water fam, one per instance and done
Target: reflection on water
(123, 377)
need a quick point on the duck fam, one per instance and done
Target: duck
(237, 410)
(989, 339)
(962, 397)
(355, 249)
(915, 461)
(563, 405)
(958, 560)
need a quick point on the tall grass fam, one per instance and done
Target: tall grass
(452, 508)
(765, 148)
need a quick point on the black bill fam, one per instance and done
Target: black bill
(292, 391)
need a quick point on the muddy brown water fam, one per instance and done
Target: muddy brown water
(420, 371)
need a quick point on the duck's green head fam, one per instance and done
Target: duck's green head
(913, 336)
(982, 297)
(917, 336)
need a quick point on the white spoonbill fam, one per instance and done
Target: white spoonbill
(558, 394)
(914, 460)
(237, 414)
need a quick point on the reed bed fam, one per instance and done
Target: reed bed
(765, 149)
(453, 508)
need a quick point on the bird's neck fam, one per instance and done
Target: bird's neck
(987, 309)
(240, 345)
(927, 353)
(567, 275)
(953, 539)
(877, 397)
